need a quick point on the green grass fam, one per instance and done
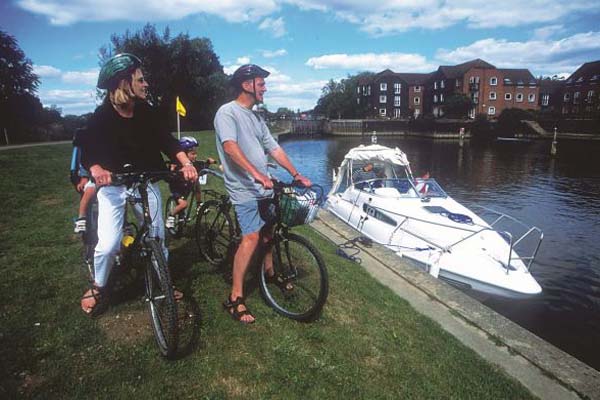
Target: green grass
(368, 344)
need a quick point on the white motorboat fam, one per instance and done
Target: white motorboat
(415, 218)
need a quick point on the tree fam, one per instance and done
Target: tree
(338, 99)
(180, 66)
(458, 105)
(18, 85)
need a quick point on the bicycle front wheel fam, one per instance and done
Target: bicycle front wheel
(161, 300)
(214, 232)
(300, 287)
(169, 210)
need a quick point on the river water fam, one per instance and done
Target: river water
(560, 195)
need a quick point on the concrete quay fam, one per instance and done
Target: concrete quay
(545, 370)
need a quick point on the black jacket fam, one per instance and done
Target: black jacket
(113, 141)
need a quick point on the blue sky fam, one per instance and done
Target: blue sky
(306, 42)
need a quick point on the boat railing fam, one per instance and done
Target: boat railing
(528, 260)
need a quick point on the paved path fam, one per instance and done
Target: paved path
(545, 370)
(20, 146)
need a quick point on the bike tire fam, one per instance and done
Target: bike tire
(298, 262)
(90, 239)
(160, 299)
(169, 207)
(214, 232)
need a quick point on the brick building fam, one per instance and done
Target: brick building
(491, 89)
(581, 90)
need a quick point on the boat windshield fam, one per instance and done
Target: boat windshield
(402, 187)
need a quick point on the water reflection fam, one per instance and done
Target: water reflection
(561, 196)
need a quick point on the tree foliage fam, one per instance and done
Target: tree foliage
(338, 99)
(180, 66)
(458, 105)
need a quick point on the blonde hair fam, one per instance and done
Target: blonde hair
(123, 94)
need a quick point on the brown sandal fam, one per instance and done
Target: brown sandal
(99, 295)
(232, 307)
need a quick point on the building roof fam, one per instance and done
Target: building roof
(550, 85)
(587, 72)
(414, 78)
(517, 76)
(457, 71)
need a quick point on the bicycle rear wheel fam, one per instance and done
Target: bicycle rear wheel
(161, 300)
(214, 232)
(297, 263)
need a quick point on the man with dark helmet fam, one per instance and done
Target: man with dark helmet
(243, 143)
(124, 130)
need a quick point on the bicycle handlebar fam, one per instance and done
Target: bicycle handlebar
(125, 178)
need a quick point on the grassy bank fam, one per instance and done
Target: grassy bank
(367, 344)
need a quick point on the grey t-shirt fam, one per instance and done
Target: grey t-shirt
(237, 123)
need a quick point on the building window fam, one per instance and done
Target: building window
(358, 89)
(493, 81)
(435, 98)
(472, 79)
(383, 99)
(519, 97)
(441, 97)
(507, 96)
(576, 98)
(397, 88)
(383, 86)
(531, 97)
(369, 90)
(590, 96)
(507, 81)
(417, 89)
(382, 112)
(457, 83)
(397, 113)
(358, 100)
(476, 79)
(492, 95)
(545, 99)
(396, 101)
(442, 84)
(520, 84)
(435, 85)
(567, 97)
(492, 111)
(417, 100)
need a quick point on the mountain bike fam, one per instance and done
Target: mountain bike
(300, 288)
(187, 215)
(139, 247)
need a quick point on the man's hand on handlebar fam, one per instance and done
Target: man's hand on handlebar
(101, 176)
(303, 180)
(264, 180)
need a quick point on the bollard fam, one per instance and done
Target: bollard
(374, 137)
(461, 137)
(553, 148)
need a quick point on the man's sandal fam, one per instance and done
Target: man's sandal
(232, 307)
(283, 284)
(99, 295)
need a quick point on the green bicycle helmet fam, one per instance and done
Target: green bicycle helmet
(116, 67)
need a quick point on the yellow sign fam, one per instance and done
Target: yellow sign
(180, 108)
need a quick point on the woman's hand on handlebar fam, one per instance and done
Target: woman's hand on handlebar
(189, 172)
(101, 176)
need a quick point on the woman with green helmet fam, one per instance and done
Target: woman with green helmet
(124, 130)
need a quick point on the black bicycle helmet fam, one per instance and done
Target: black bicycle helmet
(247, 72)
(116, 68)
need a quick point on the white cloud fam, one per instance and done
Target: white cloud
(275, 26)
(547, 32)
(389, 17)
(67, 12)
(46, 71)
(398, 62)
(540, 56)
(243, 60)
(274, 53)
(70, 101)
(89, 77)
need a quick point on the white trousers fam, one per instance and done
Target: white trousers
(111, 215)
